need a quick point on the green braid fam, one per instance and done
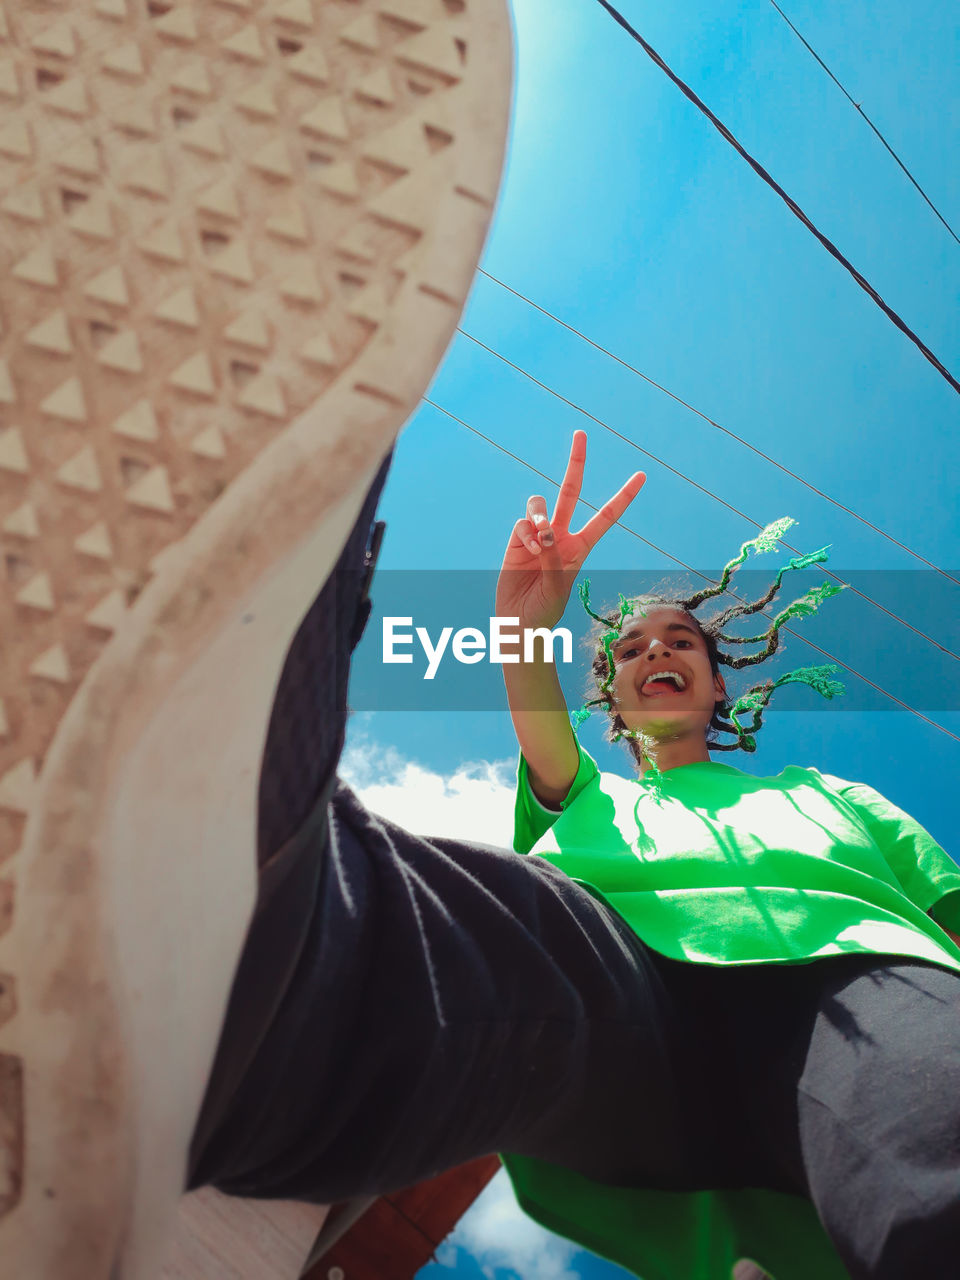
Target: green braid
(803, 562)
(607, 639)
(638, 736)
(583, 590)
(741, 610)
(802, 607)
(756, 700)
(766, 540)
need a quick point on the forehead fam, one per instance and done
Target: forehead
(654, 619)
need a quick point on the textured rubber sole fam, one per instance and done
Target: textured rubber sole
(235, 240)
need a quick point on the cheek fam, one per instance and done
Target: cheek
(700, 665)
(712, 689)
(622, 682)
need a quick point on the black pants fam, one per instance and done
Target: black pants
(404, 1005)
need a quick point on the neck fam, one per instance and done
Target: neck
(670, 753)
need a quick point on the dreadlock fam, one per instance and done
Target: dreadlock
(726, 716)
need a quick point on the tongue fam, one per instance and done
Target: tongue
(657, 687)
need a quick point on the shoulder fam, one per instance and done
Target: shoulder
(809, 774)
(850, 789)
(794, 777)
(857, 797)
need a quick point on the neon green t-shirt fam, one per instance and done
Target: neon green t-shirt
(712, 865)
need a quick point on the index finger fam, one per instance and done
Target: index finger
(569, 494)
(611, 511)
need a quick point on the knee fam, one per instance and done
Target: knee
(890, 1207)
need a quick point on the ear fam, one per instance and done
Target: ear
(719, 688)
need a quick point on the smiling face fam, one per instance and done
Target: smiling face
(664, 683)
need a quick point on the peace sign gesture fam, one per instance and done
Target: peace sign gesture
(543, 557)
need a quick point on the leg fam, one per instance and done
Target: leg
(447, 1000)
(880, 1121)
(308, 720)
(403, 1005)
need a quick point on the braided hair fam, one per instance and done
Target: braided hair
(725, 719)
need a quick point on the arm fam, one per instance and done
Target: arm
(539, 568)
(542, 726)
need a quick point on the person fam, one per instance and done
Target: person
(772, 909)
(591, 1009)
(212, 335)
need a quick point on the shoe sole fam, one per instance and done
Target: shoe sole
(236, 241)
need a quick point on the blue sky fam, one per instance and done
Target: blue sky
(624, 212)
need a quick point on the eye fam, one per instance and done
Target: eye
(624, 654)
(688, 643)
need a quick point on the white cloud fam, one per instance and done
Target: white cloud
(475, 802)
(498, 1235)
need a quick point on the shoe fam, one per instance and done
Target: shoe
(235, 241)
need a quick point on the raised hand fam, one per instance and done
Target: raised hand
(543, 556)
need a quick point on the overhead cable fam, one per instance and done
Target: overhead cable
(726, 430)
(792, 204)
(709, 492)
(868, 120)
(689, 568)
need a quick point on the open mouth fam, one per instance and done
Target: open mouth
(663, 684)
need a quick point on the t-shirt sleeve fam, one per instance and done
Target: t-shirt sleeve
(531, 818)
(927, 874)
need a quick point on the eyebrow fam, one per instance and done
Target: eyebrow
(638, 631)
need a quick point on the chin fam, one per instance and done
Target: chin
(669, 723)
(665, 726)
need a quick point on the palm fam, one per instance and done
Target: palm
(535, 586)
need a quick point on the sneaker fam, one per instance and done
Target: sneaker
(235, 240)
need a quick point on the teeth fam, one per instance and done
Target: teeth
(663, 675)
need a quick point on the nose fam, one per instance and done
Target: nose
(656, 647)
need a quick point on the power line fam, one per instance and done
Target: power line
(868, 120)
(613, 431)
(726, 430)
(792, 204)
(709, 492)
(676, 559)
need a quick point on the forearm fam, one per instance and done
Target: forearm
(542, 725)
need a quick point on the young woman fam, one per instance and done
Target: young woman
(708, 1018)
(793, 930)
